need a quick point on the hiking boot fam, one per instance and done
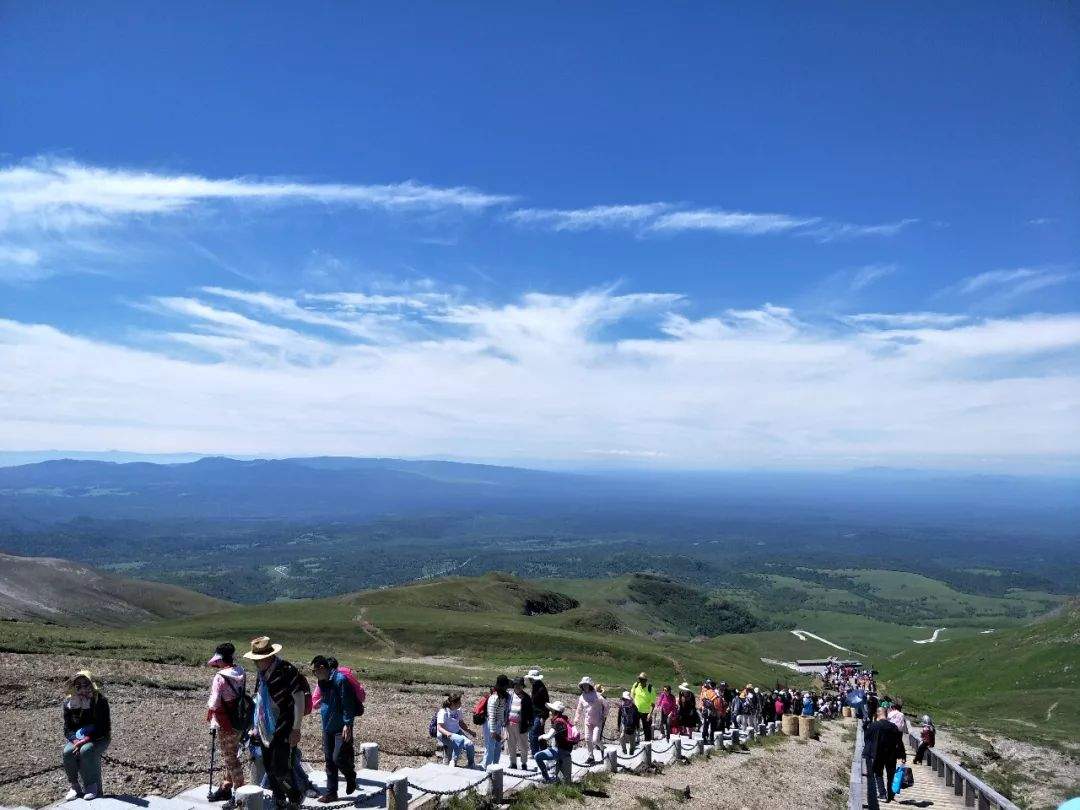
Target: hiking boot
(223, 793)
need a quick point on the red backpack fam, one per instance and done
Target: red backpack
(479, 712)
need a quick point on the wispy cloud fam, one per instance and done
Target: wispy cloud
(583, 219)
(61, 194)
(1043, 221)
(555, 377)
(834, 231)
(730, 222)
(665, 217)
(1007, 284)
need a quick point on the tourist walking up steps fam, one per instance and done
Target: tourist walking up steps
(519, 724)
(626, 724)
(451, 730)
(687, 717)
(883, 745)
(712, 707)
(279, 714)
(540, 700)
(589, 715)
(498, 709)
(88, 730)
(563, 746)
(644, 697)
(227, 713)
(927, 738)
(667, 706)
(337, 709)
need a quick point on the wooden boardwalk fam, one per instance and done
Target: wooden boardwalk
(928, 791)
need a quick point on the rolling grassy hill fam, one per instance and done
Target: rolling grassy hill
(1022, 681)
(65, 592)
(459, 630)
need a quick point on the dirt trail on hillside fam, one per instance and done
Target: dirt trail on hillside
(159, 711)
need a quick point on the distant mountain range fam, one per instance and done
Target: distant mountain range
(351, 489)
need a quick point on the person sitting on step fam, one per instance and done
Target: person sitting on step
(563, 747)
(451, 730)
(88, 730)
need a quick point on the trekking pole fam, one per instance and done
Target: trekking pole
(213, 750)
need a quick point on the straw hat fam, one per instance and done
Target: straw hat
(262, 648)
(535, 675)
(558, 707)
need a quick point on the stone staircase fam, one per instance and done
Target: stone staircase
(420, 787)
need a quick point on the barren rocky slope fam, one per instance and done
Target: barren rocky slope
(65, 592)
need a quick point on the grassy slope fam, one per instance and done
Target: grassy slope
(458, 630)
(1006, 682)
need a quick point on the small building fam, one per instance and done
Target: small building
(816, 666)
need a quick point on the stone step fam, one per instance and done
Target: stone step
(125, 802)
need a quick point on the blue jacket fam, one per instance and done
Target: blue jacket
(338, 706)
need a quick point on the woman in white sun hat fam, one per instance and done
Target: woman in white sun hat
(589, 715)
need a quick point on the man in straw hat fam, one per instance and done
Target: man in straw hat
(279, 712)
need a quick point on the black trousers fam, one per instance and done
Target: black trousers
(338, 756)
(920, 752)
(708, 727)
(645, 724)
(277, 760)
(883, 771)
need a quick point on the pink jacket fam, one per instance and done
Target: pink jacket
(666, 703)
(590, 709)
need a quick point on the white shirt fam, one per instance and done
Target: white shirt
(449, 719)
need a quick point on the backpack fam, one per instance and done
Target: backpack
(433, 726)
(354, 682)
(479, 712)
(573, 736)
(241, 711)
(357, 687)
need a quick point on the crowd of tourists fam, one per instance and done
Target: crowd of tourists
(516, 716)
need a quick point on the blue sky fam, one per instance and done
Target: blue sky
(668, 234)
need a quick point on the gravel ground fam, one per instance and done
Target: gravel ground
(159, 718)
(783, 773)
(159, 713)
(1041, 779)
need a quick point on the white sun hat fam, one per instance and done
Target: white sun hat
(586, 681)
(685, 687)
(558, 706)
(535, 675)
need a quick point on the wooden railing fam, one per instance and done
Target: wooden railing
(975, 792)
(857, 784)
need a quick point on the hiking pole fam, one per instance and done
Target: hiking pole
(213, 750)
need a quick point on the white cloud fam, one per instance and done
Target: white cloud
(1012, 282)
(555, 377)
(61, 195)
(833, 231)
(583, 219)
(869, 274)
(730, 222)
